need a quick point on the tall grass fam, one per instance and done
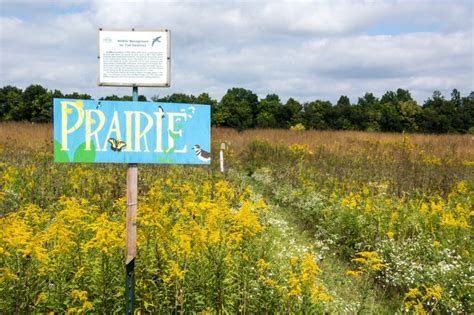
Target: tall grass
(407, 161)
(351, 142)
(27, 135)
(38, 135)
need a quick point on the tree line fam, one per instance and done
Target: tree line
(239, 108)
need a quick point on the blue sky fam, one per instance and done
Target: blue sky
(302, 49)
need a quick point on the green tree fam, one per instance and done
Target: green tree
(458, 118)
(176, 98)
(390, 120)
(42, 108)
(315, 114)
(205, 99)
(267, 112)
(409, 113)
(236, 109)
(400, 95)
(10, 97)
(341, 114)
(125, 98)
(399, 111)
(368, 113)
(438, 114)
(35, 101)
(466, 114)
(290, 114)
(78, 96)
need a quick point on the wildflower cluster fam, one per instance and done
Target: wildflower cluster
(201, 244)
(367, 263)
(298, 127)
(47, 254)
(415, 237)
(300, 150)
(424, 300)
(303, 280)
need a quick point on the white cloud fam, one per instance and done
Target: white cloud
(300, 49)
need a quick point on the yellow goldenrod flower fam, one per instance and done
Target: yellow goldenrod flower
(309, 268)
(423, 208)
(79, 295)
(377, 267)
(318, 294)
(434, 293)
(413, 293)
(300, 150)
(355, 274)
(436, 207)
(368, 262)
(294, 285)
(40, 298)
(461, 187)
(360, 260)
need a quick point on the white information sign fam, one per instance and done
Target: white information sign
(134, 57)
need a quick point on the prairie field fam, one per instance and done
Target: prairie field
(301, 222)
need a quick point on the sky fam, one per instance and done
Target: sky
(306, 50)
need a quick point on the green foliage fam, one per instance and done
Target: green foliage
(395, 111)
(267, 112)
(237, 109)
(316, 114)
(127, 98)
(291, 113)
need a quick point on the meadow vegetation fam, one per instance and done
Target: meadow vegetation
(302, 222)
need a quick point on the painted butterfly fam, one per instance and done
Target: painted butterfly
(116, 145)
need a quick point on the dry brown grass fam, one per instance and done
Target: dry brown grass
(40, 137)
(27, 135)
(350, 142)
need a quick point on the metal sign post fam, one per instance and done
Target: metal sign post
(131, 228)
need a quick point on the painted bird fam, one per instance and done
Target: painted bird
(162, 111)
(156, 40)
(201, 154)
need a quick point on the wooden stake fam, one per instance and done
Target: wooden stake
(131, 230)
(132, 178)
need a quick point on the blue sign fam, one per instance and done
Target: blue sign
(131, 132)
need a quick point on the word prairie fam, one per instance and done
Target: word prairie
(97, 131)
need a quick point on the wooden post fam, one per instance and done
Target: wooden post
(132, 177)
(131, 230)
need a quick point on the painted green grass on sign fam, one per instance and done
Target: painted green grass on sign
(83, 155)
(59, 155)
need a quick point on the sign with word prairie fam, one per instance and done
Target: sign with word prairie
(131, 132)
(134, 57)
